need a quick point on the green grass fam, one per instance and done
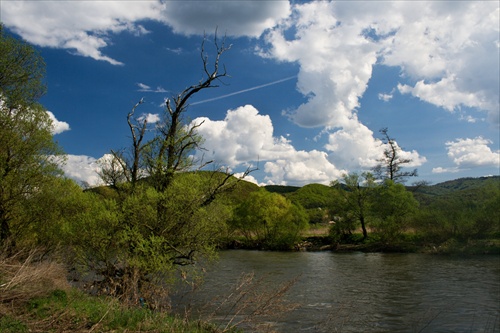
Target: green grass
(9, 324)
(75, 311)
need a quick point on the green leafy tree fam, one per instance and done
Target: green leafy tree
(49, 214)
(136, 252)
(269, 219)
(317, 199)
(393, 207)
(356, 192)
(28, 159)
(170, 218)
(22, 70)
(462, 215)
(488, 218)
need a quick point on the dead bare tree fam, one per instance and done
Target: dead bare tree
(168, 152)
(124, 166)
(390, 165)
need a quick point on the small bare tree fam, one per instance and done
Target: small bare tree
(125, 166)
(175, 140)
(390, 165)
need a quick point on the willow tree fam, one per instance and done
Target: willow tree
(27, 151)
(27, 163)
(22, 70)
(356, 192)
(172, 216)
(392, 209)
(270, 220)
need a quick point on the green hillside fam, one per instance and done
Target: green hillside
(460, 184)
(313, 196)
(464, 188)
(281, 189)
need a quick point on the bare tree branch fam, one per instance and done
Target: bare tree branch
(390, 165)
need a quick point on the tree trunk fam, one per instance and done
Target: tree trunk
(362, 221)
(4, 227)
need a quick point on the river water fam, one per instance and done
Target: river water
(358, 292)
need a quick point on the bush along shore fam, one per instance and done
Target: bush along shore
(356, 243)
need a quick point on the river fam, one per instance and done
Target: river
(354, 292)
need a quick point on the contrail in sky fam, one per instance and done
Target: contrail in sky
(244, 90)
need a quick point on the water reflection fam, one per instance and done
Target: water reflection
(370, 292)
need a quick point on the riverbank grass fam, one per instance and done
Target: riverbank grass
(75, 311)
(36, 297)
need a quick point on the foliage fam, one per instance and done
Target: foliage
(463, 215)
(281, 189)
(11, 325)
(21, 72)
(470, 187)
(239, 192)
(269, 219)
(135, 249)
(355, 196)
(317, 199)
(28, 161)
(392, 208)
(50, 214)
(313, 196)
(166, 213)
(466, 184)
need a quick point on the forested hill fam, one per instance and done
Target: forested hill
(461, 184)
(468, 189)
(443, 188)
(281, 189)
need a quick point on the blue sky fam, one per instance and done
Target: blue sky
(311, 83)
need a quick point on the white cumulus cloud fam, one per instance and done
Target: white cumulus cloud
(475, 152)
(451, 49)
(82, 27)
(86, 27)
(83, 169)
(151, 118)
(445, 170)
(335, 62)
(301, 168)
(442, 93)
(244, 137)
(435, 44)
(354, 146)
(58, 126)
